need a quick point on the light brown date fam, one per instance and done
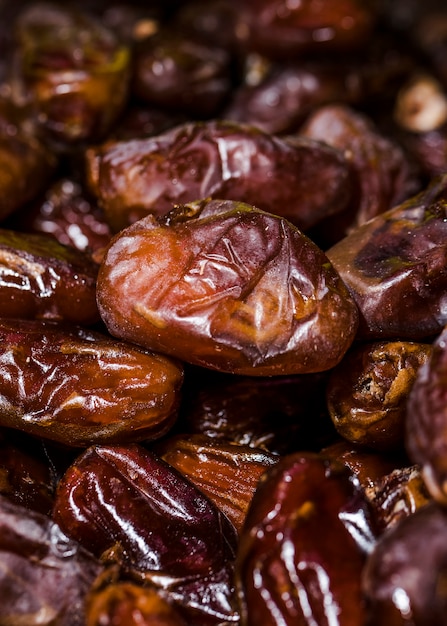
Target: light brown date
(223, 285)
(77, 387)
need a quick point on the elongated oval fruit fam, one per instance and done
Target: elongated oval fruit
(79, 387)
(224, 285)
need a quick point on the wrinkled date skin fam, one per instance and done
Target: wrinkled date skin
(73, 71)
(225, 286)
(44, 575)
(168, 532)
(79, 387)
(395, 266)
(304, 545)
(43, 279)
(127, 604)
(426, 427)
(281, 30)
(279, 414)
(398, 495)
(367, 392)
(403, 580)
(303, 182)
(227, 473)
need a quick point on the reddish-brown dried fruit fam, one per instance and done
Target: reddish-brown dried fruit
(79, 387)
(223, 285)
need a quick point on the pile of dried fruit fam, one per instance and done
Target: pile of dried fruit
(223, 313)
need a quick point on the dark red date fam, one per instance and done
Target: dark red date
(166, 532)
(395, 266)
(44, 576)
(43, 279)
(402, 581)
(304, 545)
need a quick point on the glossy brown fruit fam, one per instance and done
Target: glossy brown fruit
(79, 387)
(304, 545)
(367, 392)
(227, 473)
(44, 575)
(223, 285)
(395, 266)
(41, 278)
(164, 531)
(303, 182)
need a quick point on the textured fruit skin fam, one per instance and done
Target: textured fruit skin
(162, 530)
(304, 544)
(301, 180)
(79, 387)
(223, 285)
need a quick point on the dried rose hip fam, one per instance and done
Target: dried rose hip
(227, 473)
(223, 285)
(367, 392)
(303, 182)
(44, 575)
(403, 581)
(43, 279)
(304, 545)
(395, 266)
(164, 530)
(426, 425)
(79, 387)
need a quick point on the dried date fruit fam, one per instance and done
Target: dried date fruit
(395, 267)
(304, 545)
(164, 530)
(26, 477)
(383, 172)
(127, 604)
(282, 30)
(303, 182)
(403, 580)
(26, 167)
(78, 387)
(72, 71)
(67, 214)
(44, 576)
(227, 473)
(426, 425)
(279, 414)
(223, 285)
(287, 93)
(367, 392)
(369, 466)
(398, 495)
(178, 73)
(43, 279)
